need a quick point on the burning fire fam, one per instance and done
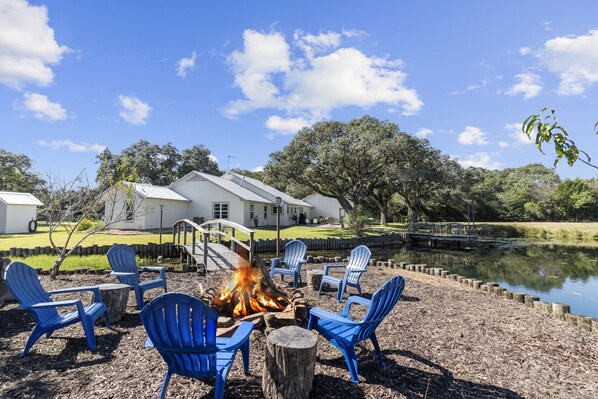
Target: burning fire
(247, 292)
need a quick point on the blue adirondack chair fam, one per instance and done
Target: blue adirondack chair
(183, 329)
(358, 263)
(124, 266)
(294, 252)
(344, 333)
(24, 285)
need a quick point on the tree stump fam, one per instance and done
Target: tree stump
(314, 278)
(115, 297)
(290, 363)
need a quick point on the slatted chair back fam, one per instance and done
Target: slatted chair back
(359, 259)
(383, 301)
(183, 330)
(24, 285)
(294, 253)
(122, 259)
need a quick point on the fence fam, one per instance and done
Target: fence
(169, 250)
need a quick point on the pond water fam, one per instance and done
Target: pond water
(555, 273)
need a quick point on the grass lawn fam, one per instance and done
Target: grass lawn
(40, 237)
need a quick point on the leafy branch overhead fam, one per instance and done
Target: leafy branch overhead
(543, 128)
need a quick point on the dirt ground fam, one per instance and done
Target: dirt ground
(442, 340)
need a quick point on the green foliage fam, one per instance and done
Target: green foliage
(87, 223)
(357, 222)
(153, 164)
(543, 128)
(16, 173)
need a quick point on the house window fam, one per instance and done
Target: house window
(220, 210)
(129, 210)
(265, 212)
(288, 209)
(251, 211)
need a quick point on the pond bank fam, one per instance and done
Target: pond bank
(441, 340)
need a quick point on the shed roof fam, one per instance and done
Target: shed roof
(157, 192)
(19, 198)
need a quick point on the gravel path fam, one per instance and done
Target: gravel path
(442, 340)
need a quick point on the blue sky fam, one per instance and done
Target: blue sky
(242, 77)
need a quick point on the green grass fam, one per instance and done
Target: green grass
(40, 237)
(561, 231)
(74, 262)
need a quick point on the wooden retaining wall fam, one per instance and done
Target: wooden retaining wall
(150, 250)
(169, 250)
(325, 244)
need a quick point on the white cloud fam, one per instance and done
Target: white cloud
(480, 160)
(133, 110)
(213, 158)
(524, 50)
(423, 133)
(354, 33)
(258, 169)
(316, 44)
(42, 107)
(72, 147)
(517, 134)
(185, 64)
(483, 83)
(27, 45)
(472, 136)
(286, 126)
(503, 144)
(574, 59)
(529, 85)
(310, 87)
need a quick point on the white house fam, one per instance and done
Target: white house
(213, 197)
(292, 208)
(17, 211)
(325, 207)
(146, 206)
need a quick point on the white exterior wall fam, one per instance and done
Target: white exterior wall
(324, 206)
(118, 209)
(3, 208)
(172, 211)
(203, 194)
(16, 218)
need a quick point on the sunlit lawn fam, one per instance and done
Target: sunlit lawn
(40, 237)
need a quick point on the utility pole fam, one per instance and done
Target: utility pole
(228, 163)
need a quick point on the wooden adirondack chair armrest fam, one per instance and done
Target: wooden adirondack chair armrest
(327, 267)
(355, 299)
(42, 305)
(274, 262)
(303, 261)
(238, 338)
(160, 269)
(329, 316)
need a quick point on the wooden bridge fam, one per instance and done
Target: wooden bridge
(202, 244)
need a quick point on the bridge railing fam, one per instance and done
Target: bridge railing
(217, 227)
(182, 229)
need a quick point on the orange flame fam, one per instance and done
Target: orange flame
(246, 293)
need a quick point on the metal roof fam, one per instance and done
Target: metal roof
(157, 192)
(287, 199)
(227, 185)
(19, 199)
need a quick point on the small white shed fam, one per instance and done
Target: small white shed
(17, 210)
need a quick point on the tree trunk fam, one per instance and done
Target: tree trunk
(290, 363)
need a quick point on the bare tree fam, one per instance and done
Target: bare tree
(69, 203)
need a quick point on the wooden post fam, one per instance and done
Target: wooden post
(529, 300)
(559, 310)
(290, 363)
(314, 279)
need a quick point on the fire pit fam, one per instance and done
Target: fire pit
(249, 294)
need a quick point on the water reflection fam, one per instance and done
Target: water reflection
(556, 273)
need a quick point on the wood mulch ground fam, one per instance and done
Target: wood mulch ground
(442, 340)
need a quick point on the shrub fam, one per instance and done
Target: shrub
(357, 222)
